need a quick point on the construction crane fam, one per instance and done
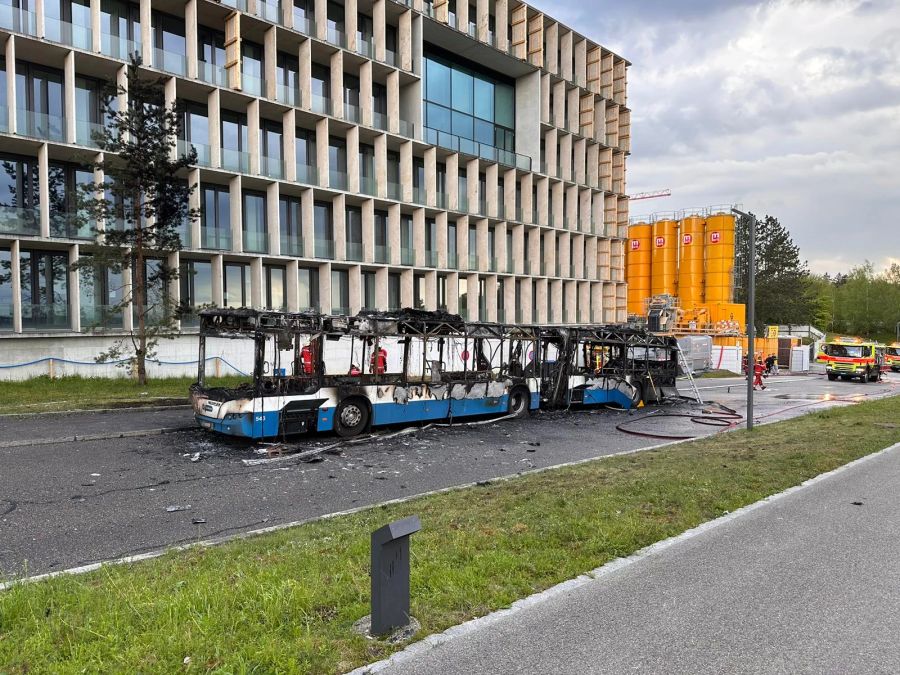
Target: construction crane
(651, 195)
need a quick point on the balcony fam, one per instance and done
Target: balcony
(236, 4)
(56, 30)
(287, 94)
(215, 238)
(492, 264)
(407, 256)
(118, 47)
(336, 37)
(203, 151)
(431, 258)
(268, 11)
(251, 84)
(235, 160)
(393, 190)
(443, 201)
(367, 186)
(321, 105)
(40, 125)
(473, 263)
(170, 61)
(4, 118)
(18, 20)
(85, 132)
(19, 220)
(354, 251)
(212, 74)
(469, 147)
(305, 24)
(382, 254)
(54, 316)
(419, 196)
(452, 261)
(324, 248)
(351, 112)
(272, 167)
(256, 242)
(292, 244)
(307, 174)
(501, 211)
(99, 318)
(340, 311)
(510, 264)
(337, 180)
(390, 57)
(463, 203)
(365, 45)
(71, 225)
(6, 317)
(407, 129)
(379, 121)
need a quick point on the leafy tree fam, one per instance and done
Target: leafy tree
(143, 204)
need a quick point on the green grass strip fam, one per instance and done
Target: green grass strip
(42, 394)
(285, 602)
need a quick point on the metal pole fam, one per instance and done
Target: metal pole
(751, 315)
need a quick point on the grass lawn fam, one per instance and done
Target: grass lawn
(715, 374)
(285, 602)
(41, 394)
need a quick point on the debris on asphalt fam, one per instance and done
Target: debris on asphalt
(178, 507)
(195, 457)
(198, 521)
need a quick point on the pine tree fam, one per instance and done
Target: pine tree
(142, 203)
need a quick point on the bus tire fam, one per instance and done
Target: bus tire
(518, 402)
(832, 377)
(351, 417)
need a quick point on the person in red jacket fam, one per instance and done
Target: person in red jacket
(378, 360)
(758, 371)
(308, 359)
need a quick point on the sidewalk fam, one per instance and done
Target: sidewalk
(808, 583)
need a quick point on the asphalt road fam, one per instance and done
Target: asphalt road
(805, 584)
(68, 504)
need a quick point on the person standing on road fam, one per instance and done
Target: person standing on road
(758, 371)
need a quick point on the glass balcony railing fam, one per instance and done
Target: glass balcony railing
(510, 264)
(215, 238)
(473, 262)
(365, 45)
(557, 269)
(212, 73)
(40, 125)
(351, 112)
(336, 37)
(54, 316)
(56, 30)
(379, 121)
(235, 160)
(469, 147)
(71, 225)
(6, 317)
(492, 264)
(170, 61)
(85, 132)
(288, 95)
(268, 11)
(4, 118)
(452, 261)
(442, 200)
(273, 167)
(463, 201)
(337, 180)
(354, 250)
(203, 151)
(482, 207)
(367, 186)
(340, 311)
(382, 254)
(292, 244)
(407, 256)
(501, 211)
(390, 57)
(97, 318)
(407, 129)
(16, 220)
(118, 47)
(236, 4)
(419, 196)
(324, 248)
(393, 190)
(307, 174)
(256, 242)
(18, 20)
(306, 25)
(431, 258)
(251, 84)
(321, 104)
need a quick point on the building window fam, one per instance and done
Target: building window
(236, 285)
(419, 291)
(336, 27)
(382, 250)
(321, 88)
(211, 56)
(252, 68)
(19, 195)
(340, 292)
(337, 163)
(305, 156)
(276, 276)
(215, 217)
(6, 290)
(366, 169)
(364, 32)
(407, 255)
(255, 232)
(120, 28)
(442, 292)
(304, 16)
(195, 129)
(430, 242)
(308, 288)
(368, 290)
(44, 278)
(195, 279)
(271, 149)
(351, 98)
(353, 229)
(100, 293)
(468, 102)
(39, 98)
(287, 73)
(64, 181)
(169, 44)
(393, 291)
(290, 211)
(452, 261)
(390, 44)
(463, 297)
(379, 105)
(235, 142)
(323, 230)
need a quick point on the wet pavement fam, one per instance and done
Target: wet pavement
(68, 504)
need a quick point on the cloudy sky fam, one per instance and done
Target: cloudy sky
(789, 107)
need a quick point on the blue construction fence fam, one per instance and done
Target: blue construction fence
(53, 361)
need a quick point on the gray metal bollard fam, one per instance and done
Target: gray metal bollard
(390, 575)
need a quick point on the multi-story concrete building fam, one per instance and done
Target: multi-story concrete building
(351, 154)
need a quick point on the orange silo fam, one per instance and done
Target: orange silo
(637, 267)
(690, 261)
(719, 258)
(664, 266)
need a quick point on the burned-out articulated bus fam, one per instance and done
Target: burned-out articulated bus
(314, 372)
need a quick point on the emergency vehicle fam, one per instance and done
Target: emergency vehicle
(892, 356)
(852, 357)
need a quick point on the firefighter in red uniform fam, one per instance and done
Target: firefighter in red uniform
(378, 360)
(758, 371)
(308, 359)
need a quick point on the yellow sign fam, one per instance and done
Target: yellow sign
(772, 332)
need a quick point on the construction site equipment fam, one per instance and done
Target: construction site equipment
(637, 263)
(664, 261)
(691, 261)
(719, 249)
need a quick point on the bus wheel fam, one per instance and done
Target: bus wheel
(518, 402)
(351, 417)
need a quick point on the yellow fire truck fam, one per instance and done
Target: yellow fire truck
(850, 357)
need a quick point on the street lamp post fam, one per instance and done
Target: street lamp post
(751, 314)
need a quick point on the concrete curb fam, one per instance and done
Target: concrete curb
(141, 408)
(93, 437)
(609, 568)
